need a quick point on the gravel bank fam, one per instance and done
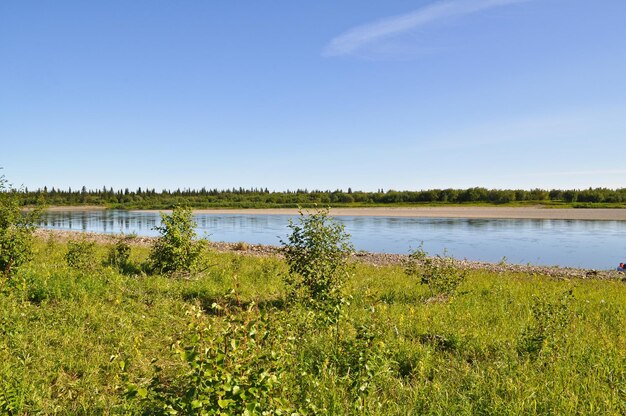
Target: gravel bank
(375, 259)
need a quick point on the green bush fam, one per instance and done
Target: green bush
(118, 255)
(11, 400)
(80, 254)
(317, 253)
(234, 367)
(16, 230)
(439, 273)
(176, 250)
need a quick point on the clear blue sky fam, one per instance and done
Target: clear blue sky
(322, 94)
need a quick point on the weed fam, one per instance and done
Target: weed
(241, 246)
(549, 321)
(233, 368)
(439, 273)
(118, 255)
(80, 254)
(11, 401)
(16, 230)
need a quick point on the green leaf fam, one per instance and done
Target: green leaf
(224, 403)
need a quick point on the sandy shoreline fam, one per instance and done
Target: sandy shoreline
(604, 214)
(537, 212)
(62, 208)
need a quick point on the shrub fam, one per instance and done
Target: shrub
(16, 230)
(439, 273)
(317, 252)
(80, 254)
(362, 358)
(11, 398)
(119, 254)
(233, 367)
(176, 250)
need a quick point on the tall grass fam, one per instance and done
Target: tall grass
(98, 341)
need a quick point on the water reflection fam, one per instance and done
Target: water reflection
(595, 244)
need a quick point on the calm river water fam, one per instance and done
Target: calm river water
(589, 244)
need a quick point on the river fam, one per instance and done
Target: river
(575, 243)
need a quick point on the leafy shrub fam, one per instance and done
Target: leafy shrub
(176, 250)
(16, 230)
(364, 360)
(11, 399)
(80, 254)
(119, 254)
(439, 273)
(234, 368)
(317, 253)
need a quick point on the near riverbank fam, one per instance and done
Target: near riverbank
(374, 259)
(89, 338)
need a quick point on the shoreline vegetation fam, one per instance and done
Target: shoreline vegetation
(366, 258)
(262, 198)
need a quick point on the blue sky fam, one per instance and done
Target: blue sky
(395, 95)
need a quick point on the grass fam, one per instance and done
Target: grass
(77, 342)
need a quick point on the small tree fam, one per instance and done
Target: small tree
(317, 252)
(16, 230)
(176, 250)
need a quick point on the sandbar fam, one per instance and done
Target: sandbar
(605, 214)
(62, 208)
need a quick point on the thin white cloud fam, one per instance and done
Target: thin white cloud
(360, 36)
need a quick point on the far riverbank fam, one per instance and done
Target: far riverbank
(601, 214)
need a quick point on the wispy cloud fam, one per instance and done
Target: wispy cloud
(361, 36)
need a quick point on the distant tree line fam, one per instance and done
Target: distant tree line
(263, 198)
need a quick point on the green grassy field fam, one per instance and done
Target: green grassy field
(102, 342)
